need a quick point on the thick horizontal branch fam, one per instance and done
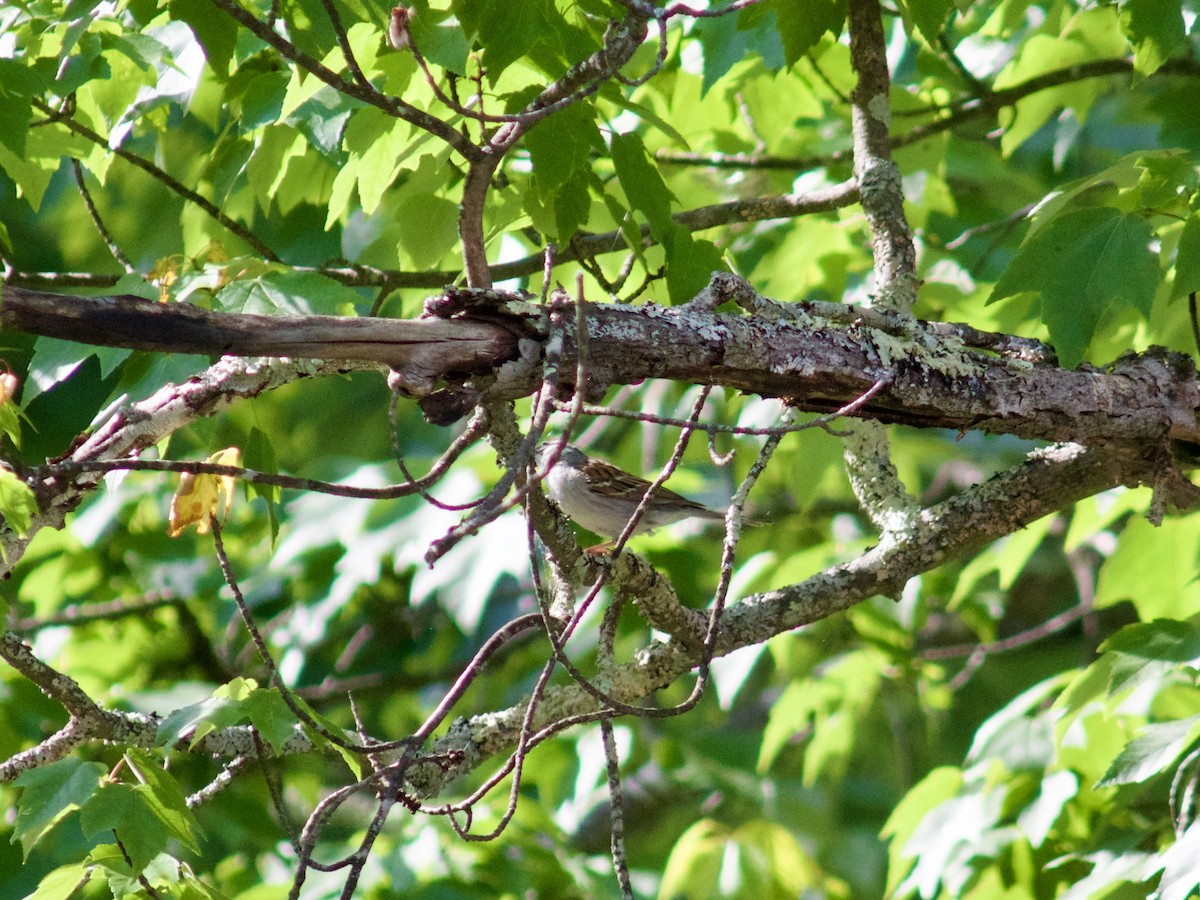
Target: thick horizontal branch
(816, 360)
(423, 349)
(820, 366)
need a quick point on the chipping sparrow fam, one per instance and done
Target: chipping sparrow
(602, 498)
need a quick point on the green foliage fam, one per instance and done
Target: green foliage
(757, 859)
(239, 702)
(1081, 263)
(17, 502)
(1021, 723)
(1076, 766)
(51, 792)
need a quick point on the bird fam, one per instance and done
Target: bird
(602, 498)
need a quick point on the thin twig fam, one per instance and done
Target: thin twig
(104, 611)
(277, 681)
(741, 430)
(105, 235)
(173, 184)
(197, 467)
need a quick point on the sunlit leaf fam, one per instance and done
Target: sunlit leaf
(643, 185)
(200, 498)
(1154, 749)
(18, 503)
(169, 802)
(801, 26)
(1187, 261)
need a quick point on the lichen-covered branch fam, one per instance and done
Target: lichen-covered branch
(1049, 480)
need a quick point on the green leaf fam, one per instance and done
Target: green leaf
(50, 792)
(1151, 650)
(649, 117)
(1187, 259)
(789, 714)
(831, 706)
(726, 42)
(627, 225)
(1021, 734)
(936, 788)
(1081, 263)
(507, 31)
(1181, 876)
(131, 812)
(192, 723)
(63, 882)
(643, 185)
(1091, 35)
(166, 798)
(142, 50)
(1054, 793)
(560, 146)
(322, 119)
(262, 100)
(238, 702)
(18, 503)
(84, 64)
(929, 16)
(695, 861)
(1168, 589)
(759, 858)
(55, 360)
(1166, 179)
(441, 44)
(428, 229)
(690, 264)
(217, 34)
(288, 293)
(572, 206)
(259, 454)
(1007, 557)
(18, 84)
(1156, 746)
(32, 171)
(947, 836)
(801, 25)
(10, 422)
(377, 146)
(268, 712)
(1156, 30)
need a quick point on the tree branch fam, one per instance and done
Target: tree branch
(1048, 481)
(819, 363)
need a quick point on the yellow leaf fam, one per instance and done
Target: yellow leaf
(198, 497)
(166, 273)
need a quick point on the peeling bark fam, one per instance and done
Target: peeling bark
(817, 361)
